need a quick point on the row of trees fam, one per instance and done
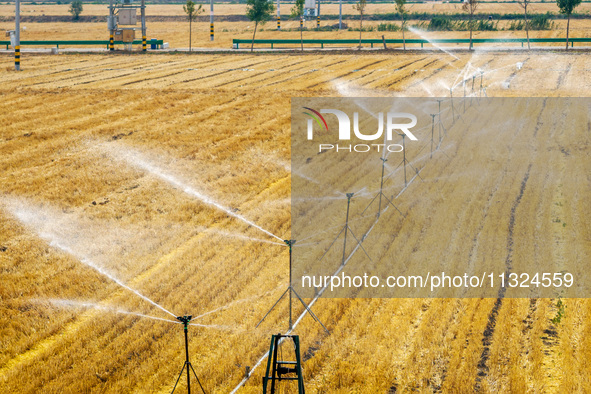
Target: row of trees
(566, 7)
(261, 11)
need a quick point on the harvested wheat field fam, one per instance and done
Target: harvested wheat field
(134, 189)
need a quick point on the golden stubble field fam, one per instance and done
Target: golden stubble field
(105, 161)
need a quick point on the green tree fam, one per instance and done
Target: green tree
(298, 12)
(470, 7)
(566, 7)
(360, 7)
(400, 9)
(524, 4)
(75, 9)
(192, 13)
(259, 11)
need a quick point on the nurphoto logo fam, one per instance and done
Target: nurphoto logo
(397, 123)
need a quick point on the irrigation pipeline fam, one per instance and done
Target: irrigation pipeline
(299, 319)
(305, 311)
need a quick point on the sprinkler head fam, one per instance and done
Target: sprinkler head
(289, 242)
(349, 195)
(184, 319)
(383, 159)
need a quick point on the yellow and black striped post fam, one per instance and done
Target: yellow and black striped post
(17, 35)
(318, 22)
(17, 58)
(211, 32)
(111, 43)
(278, 22)
(144, 44)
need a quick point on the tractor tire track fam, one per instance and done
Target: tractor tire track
(298, 76)
(348, 73)
(512, 76)
(215, 74)
(471, 259)
(404, 66)
(150, 79)
(94, 69)
(562, 76)
(264, 79)
(487, 335)
(538, 119)
(105, 79)
(434, 73)
(369, 73)
(399, 80)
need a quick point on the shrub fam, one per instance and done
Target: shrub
(537, 22)
(439, 23)
(444, 23)
(388, 27)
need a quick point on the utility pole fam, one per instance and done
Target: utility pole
(278, 16)
(17, 36)
(340, 14)
(318, 16)
(211, 20)
(143, 13)
(111, 26)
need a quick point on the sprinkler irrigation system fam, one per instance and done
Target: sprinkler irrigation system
(464, 83)
(290, 243)
(279, 368)
(432, 130)
(453, 112)
(440, 123)
(337, 271)
(346, 228)
(380, 194)
(185, 321)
